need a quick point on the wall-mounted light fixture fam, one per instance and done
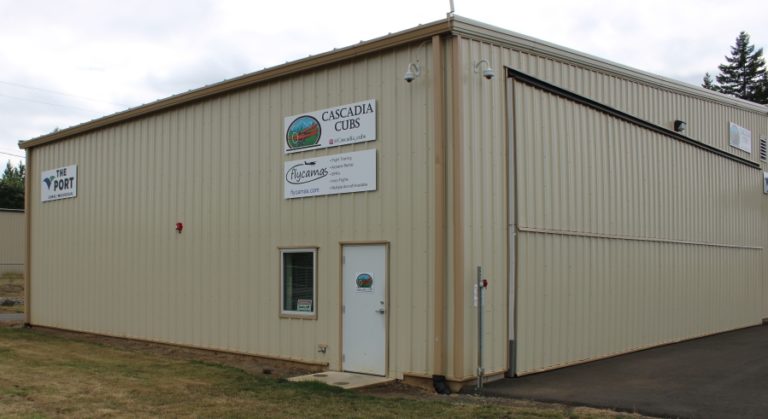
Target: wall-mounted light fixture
(488, 72)
(413, 71)
(680, 126)
(414, 67)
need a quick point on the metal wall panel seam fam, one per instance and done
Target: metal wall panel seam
(631, 238)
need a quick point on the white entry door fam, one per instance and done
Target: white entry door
(365, 309)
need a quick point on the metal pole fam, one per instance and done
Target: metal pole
(480, 370)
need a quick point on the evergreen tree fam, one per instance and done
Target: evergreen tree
(12, 187)
(744, 74)
(709, 83)
(762, 91)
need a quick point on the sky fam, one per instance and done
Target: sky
(65, 62)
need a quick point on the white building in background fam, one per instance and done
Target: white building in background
(13, 241)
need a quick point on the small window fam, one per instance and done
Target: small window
(298, 281)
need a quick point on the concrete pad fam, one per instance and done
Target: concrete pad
(345, 380)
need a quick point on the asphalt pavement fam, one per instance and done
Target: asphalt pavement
(720, 376)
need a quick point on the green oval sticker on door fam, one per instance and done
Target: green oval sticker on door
(364, 282)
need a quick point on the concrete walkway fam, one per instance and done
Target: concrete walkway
(346, 380)
(721, 376)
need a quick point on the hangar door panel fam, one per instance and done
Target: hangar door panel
(628, 237)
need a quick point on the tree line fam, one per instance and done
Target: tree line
(743, 75)
(12, 186)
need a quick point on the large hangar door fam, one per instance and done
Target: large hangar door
(628, 235)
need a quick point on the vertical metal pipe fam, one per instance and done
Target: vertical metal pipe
(479, 328)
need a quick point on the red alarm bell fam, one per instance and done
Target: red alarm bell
(485, 283)
(179, 227)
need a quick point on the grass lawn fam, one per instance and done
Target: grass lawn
(44, 374)
(12, 286)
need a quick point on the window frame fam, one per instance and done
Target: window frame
(281, 283)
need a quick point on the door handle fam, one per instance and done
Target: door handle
(380, 311)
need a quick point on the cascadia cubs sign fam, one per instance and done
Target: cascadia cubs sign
(346, 124)
(59, 183)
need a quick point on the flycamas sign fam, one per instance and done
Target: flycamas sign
(327, 175)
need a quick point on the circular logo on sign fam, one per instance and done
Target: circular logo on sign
(364, 281)
(303, 132)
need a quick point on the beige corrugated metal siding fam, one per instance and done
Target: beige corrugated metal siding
(13, 241)
(707, 120)
(483, 182)
(115, 265)
(646, 96)
(628, 238)
(643, 186)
